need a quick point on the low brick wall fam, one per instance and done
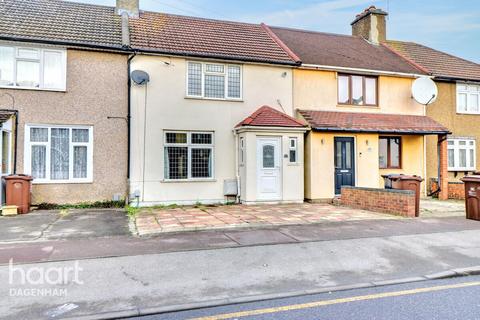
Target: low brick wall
(456, 190)
(398, 202)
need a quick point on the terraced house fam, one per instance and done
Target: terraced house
(63, 72)
(355, 94)
(456, 107)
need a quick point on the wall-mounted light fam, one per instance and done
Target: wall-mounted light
(366, 142)
(284, 74)
(322, 141)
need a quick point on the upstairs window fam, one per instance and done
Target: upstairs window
(461, 154)
(390, 152)
(357, 90)
(468, 98)
(214, 80)
(32, 68)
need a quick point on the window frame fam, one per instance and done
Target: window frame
(468, 93)
(41, 61)
(204, 72)
(189, 145)
(389, 155)
(456, 154)
(294, 148)
(47, 180)
(241, 155)
(350, 90)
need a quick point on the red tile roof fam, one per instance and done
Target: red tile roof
(371, 122)
(266, 116)
(182, 35)
(338, 50)
(435, 62)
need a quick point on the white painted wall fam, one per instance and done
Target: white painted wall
(169, 109)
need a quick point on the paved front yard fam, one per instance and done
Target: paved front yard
(162, 220)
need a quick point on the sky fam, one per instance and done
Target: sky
(452, 26)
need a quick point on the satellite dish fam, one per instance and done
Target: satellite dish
(139, 77)
(424, 90)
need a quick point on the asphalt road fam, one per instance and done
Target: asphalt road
(456, 298)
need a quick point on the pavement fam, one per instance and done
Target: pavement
(181, 219)
(448, 299)
(434, 208)
(116, 246)
(153, 283)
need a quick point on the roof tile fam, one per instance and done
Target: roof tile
(371, 122)
(266, 116)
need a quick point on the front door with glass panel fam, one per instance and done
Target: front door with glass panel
(344, 163)
(269, 165)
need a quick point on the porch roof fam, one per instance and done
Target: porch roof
(371, 122)
(266, 116)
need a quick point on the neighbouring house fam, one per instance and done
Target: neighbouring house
(456, 107)
(63, 73)
(211, 113)
(355, 94)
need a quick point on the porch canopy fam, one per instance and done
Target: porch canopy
(372, 122)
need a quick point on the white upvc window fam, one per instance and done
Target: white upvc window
(188, 155)
(461, 154)
(59, 154)
(292, 150)
(210, 80)
(32, 68)
(241, 155)
(468, 98)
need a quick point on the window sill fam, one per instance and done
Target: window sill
(469, 113)
(31, 88)
(461, 169)
(391, 168)
(62, 182)
(213, 99)
(358, 106)
(188, 180)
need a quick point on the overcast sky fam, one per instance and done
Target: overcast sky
(446, 25)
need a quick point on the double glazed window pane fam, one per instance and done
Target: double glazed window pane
(80, 157)
(383, 153)
(59, 157)
(52, 69)
(38, 134)
(371, 91)
(234, 79)
(201, 163)
(389, 152)
(28, 73)
(395, 152)
(176, 161)
(201, 138)
(214, 86)
(194, 79)
(357, 90)
(6, 65)
(451, 158)
(39, 162)
(343, 89)
(80, 135)
(174, 137)
(268, 156)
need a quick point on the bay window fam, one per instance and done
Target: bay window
(60, 154)
(188, 155)
(357, 90)
(214, 80)
(461, 154)
(468, 98)
(32, 68)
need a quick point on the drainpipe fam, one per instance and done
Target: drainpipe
(237, 168)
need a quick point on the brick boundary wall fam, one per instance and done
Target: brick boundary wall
(456, 189)
(397, 202)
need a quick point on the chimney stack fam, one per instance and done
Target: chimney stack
(371, 25)
(131, 7)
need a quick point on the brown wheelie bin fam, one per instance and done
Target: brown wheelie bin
(472, 196)
(405, 182)
(18, 191)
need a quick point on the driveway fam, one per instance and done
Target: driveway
(63, 224)
(164, 220)
(434, 208)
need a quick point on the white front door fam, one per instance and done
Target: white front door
(269, 174)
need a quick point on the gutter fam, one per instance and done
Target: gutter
(129, 112)
(362, 71)
(328, 129)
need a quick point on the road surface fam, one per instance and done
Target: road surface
(456, 298)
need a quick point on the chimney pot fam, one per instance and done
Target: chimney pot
(131, 7)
